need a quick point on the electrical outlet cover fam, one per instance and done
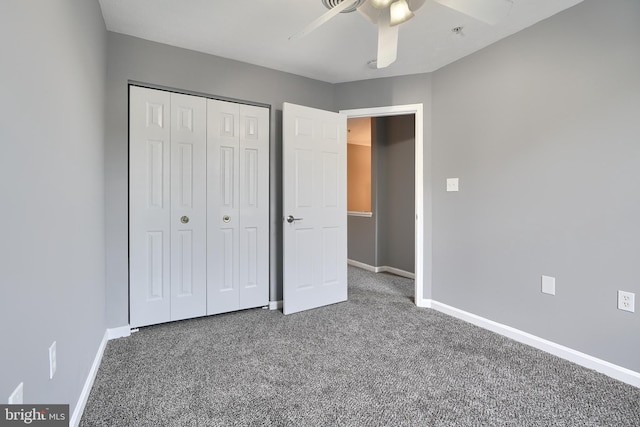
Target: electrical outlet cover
(16, 397)
(627, 301)
(53, 363)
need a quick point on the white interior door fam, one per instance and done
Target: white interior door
(167, 206)
(188, 206)
(149, 206)
(314, 208)
(238, 206)
(223, 189)
(254, 206)
(199, 206)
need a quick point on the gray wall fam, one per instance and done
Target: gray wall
(414, 89)
(140, 60)
(51, 187)
(361, 239)
(542, 130)
(395, 192)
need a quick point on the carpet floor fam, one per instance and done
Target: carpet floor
(374, 360)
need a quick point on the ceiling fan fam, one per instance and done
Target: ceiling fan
(389, 14)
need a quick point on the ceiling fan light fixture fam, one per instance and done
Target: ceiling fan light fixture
(380, 4)
(400, 12)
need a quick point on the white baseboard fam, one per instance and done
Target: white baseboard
(361, 265)
(120, 332)
(88, 384)
(424, 303)
(614, 371)
(109, 334)
(275, 305)
(397, 272)
(382, 269)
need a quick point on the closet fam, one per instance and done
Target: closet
(198, 206)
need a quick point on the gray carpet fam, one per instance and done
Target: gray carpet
(374, 360)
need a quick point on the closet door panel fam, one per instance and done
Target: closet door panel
(188, 206)
(149, 207)
(254, 206)
(223, 186)
(199, 206)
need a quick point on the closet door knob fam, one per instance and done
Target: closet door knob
(184, 219)
(291, 219)
(226, 218)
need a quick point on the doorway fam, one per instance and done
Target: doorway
(417, 111)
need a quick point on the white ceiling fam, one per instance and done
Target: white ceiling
(257, 32)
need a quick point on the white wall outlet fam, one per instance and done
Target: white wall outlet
(53, 363)
(548, 285)
(16, 397)
(627, 301)
(452, 184)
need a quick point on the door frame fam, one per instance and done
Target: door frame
(422, 277)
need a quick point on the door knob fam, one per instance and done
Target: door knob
(184, 219)
(291, 219)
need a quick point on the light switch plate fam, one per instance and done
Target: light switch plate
(548, 285)
(452, 184)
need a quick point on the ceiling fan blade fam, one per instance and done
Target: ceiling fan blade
(323, 18)
(488, 11)
(387, 41)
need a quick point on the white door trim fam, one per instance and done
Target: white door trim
(417, 110)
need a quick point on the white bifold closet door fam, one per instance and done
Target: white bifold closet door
(238, 211)
(198, 208)
(167, 206)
